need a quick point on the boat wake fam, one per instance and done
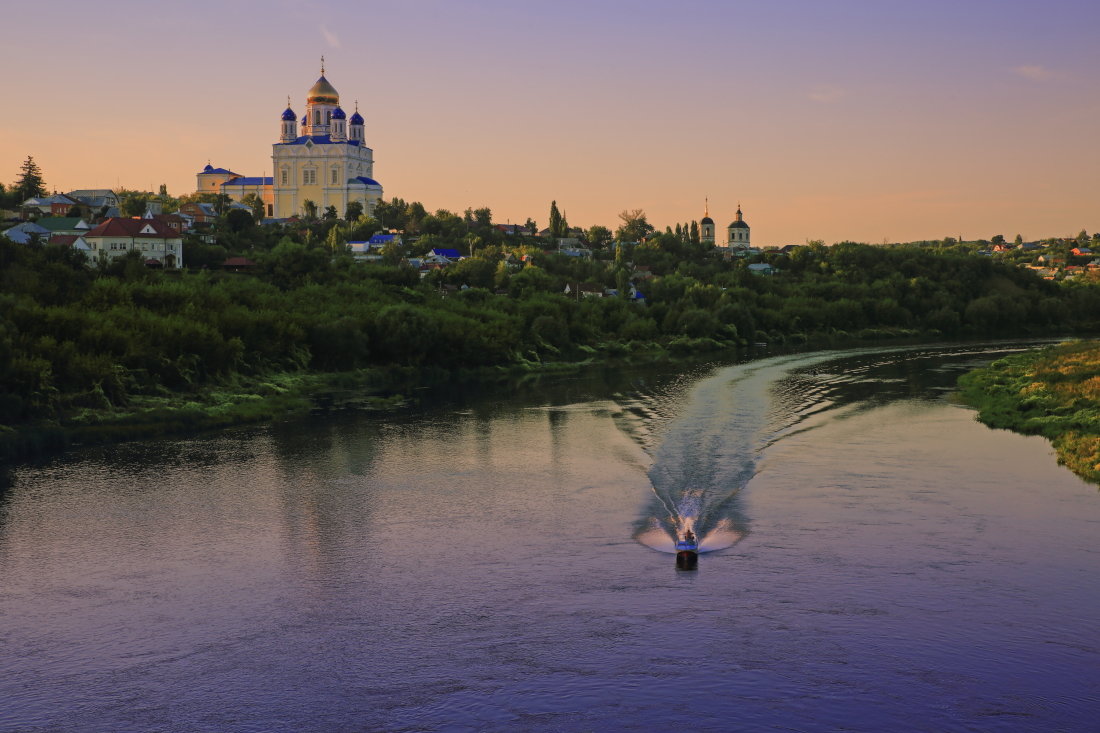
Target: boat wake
(704, 455)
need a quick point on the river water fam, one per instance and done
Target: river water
(876, 561)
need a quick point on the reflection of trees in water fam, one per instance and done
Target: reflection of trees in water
(323, 510)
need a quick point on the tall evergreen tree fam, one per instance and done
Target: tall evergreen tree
(555, 220)
(30, 181)
(694, 232)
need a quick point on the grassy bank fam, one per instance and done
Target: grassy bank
(279, 396)
(1053, 392)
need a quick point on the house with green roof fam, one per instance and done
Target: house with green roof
(64, 225)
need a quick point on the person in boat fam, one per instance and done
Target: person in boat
(689, 536)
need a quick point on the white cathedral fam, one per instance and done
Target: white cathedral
(323, 159)
(737, 233)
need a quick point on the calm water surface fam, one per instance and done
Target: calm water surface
(877, 561)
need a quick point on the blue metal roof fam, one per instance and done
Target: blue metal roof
(320, 140)
(382, 238)
(251, 181)
(208, 169)
(451, 254)
(338, 114)
(357, 119)
(367, 181)
(289, 115)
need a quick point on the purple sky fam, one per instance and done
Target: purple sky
(864, 120)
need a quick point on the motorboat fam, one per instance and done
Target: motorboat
(687, 551)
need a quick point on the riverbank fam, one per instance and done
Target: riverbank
(281, 396)
(1053, 392)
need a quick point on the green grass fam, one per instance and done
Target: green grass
(1053, 392)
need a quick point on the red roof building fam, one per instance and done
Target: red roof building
(154, 239)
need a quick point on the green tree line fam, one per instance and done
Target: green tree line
(79, 337)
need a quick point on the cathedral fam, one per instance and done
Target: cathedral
(322, 158)
(737, 233)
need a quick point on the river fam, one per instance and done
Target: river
(875, 560)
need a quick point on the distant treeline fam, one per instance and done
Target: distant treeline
(79, 340)
(1054, 392)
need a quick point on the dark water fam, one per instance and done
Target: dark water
(878, 561)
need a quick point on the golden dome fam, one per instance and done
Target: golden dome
(323, 93)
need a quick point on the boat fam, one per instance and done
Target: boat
(687, 551)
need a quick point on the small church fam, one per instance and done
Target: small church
(737, 233)
(321, 158)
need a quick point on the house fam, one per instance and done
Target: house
(198, 213)
(364, 251)
(72, 241)
(1081, 252)
(96, 198)
(159, 244)
(381, 240)
(172, 221)
(238, 264)
(584, 290)
(23, 233)
(56, 205)
(64, 224)
(761, 268)
(642, 272)
(447, 255)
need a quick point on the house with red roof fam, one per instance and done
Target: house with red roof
(159, 244)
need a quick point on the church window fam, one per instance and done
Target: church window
(317, 117)
(285, 177)
(335, 175)
(309, 176)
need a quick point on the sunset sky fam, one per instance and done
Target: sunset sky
(869, 120)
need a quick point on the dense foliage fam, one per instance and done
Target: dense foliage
(81, 339)
(1054, 392)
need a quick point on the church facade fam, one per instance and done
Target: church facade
(737, 233)
(322, 158)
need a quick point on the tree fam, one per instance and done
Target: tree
(134, 205)
(353, 211)
(30, 183)
(694, 236)
(331, 214)
(997, 239)
(239, 220)
(555, 220)
(483, 218)
(598, 235)
(221, 203)
(1019, 240)
(163, 189)
(309, 209)
(531, 226)
(634, 227)
(256, 203)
